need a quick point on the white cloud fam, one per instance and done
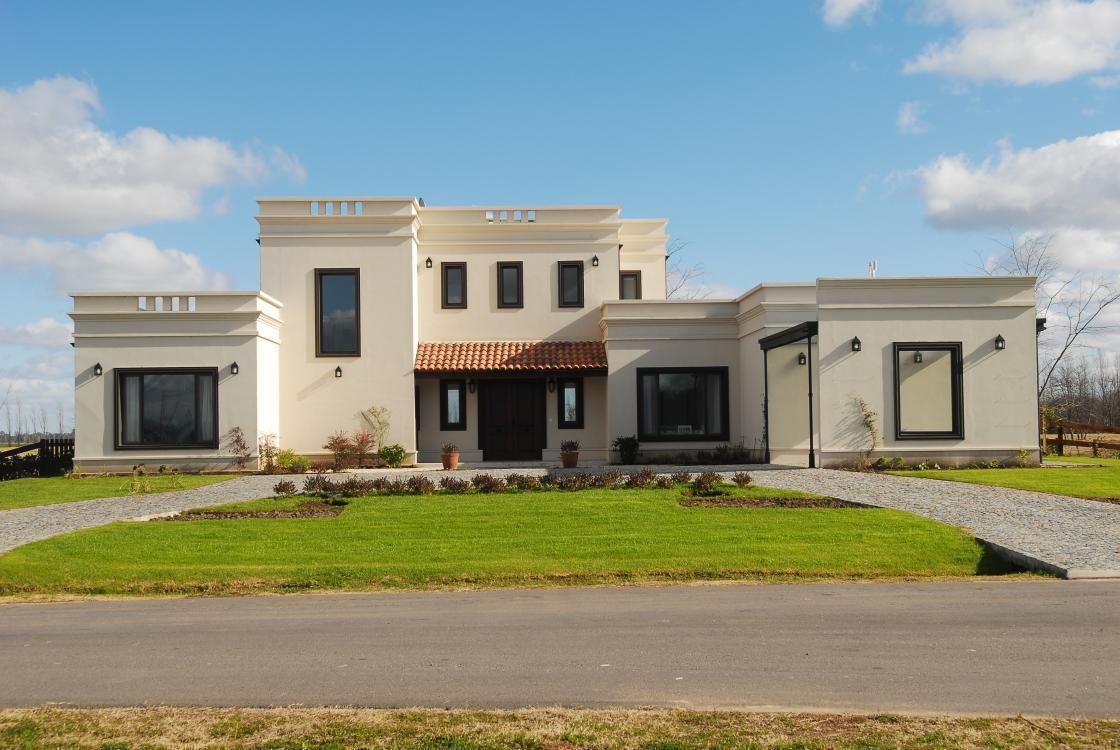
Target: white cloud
(1023, 41)
(119, 261)
(1070, 183)
(838, 13)
(910, 116)
(45, 332)
(60, 173)
(34, 389)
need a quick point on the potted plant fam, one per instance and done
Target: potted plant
(569, 453)
(450, 456)
(627, 447)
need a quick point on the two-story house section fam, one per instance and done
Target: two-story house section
(508, 329)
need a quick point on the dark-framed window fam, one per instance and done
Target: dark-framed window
(569, 403)
(454, 285)
(928, 390)
(452, 405)
(338, 313)
(571, 283)
(629, 284)
(166, 407)
(683, 403)
(510, 284)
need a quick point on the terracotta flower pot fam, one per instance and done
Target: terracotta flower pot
(569, 460)
(450, 461)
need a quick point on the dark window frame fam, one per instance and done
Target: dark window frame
(637, 283)
(445, 386)
(520, 266)
(443, 268)
(319, 274)
(119, 375)
(561, 423)
(956, 352)
(560, 266)
(725, 394)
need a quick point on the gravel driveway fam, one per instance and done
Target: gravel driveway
(1067, 536)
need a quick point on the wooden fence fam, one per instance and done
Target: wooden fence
(50, 457)
(1067, 431)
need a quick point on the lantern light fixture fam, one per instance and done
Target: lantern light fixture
(857, 345)
(471, 385)
(428, 262)
(234, 369)
(338, 371)
(595, 261)
(801, 358)
(1001, 343)
(97, 370)
(917, 358)
(552, 385)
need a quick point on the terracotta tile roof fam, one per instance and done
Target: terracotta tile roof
(511, 356)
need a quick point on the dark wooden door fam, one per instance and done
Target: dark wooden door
(511, 426)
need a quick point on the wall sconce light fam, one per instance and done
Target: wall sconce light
(857, 345)
(552, 385)
(1001, 343)
(234, 369)
(595, 261)
(97, 370)
(428, 263)
(338, 371)
(471, 385)
(917, 358)
(802, 359)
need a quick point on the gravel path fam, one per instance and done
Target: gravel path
(1071, 537)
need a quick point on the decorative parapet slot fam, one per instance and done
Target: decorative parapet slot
(335, 208)
(511, 215)
(166, 303)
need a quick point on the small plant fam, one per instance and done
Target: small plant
(569, 453)
(523, 482)
(663, 482)
(571, 482)
(138, 483)
(454, 485)
(870, 420)
(342, 449)
(605, 479)
(421, 485)
(569, 446)
(627, 447)
(1024, 458)
(364, 446)
(266, 452)
(284, 488)
(395, 486)
(449, 448)
(239, 447)
(898, 462)
(393, 455)
(681, 477)
(741, 478)
(706, 484)
(449, 456)
(317, 484)
(488, 483)
(642, 478)
(163, 469)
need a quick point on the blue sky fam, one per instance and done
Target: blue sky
(783, 141)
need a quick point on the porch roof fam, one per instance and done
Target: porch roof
(589, 357)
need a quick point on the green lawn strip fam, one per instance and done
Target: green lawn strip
(1076, 481)
(509, 539)
(647, 729)
(24, 493)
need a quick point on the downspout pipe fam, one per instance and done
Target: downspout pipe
(809, 361)
(766, 406)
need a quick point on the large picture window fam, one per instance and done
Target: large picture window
(454, 285)
(928, 400)
(167, 408)
(510, 284)
(571, 283)
(682, 404)
(337, 313)
(452, 405)
(569, 404)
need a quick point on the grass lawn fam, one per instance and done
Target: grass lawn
(645, 729)
(1099, 478)
(508, 539)
(23, 493)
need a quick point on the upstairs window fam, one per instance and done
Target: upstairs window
(928, 400)
(677, 403)
(452, 405)
(167, 408)
(337, 313)
(454, 285)
(569, 406)
(630, 285)
(571, 283)
(510, 284)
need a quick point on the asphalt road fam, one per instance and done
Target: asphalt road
(1037, 647)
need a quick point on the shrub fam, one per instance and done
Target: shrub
(706, 484)
(287, 460)
(643, 478)
(395, 486)
(523, 482)
(266, 451)
(449, 448)
(454, 484)
(421, 485)
(605, 479)
(284, 488)
(549, 481)
(317, 484)
(741, 478)
(724, 454)
(569, 446)
(356, 487)
(365, 443)
(627, 447)
(393, 455)
(663, 481)
(239, 447)
(342, 448)
(488, 483)
(572, 482)
(681, 477)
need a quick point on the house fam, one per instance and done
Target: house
(506, 330)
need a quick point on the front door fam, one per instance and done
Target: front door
(511, 423)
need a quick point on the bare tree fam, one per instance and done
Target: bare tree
(679, 275)
(1072, 303)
